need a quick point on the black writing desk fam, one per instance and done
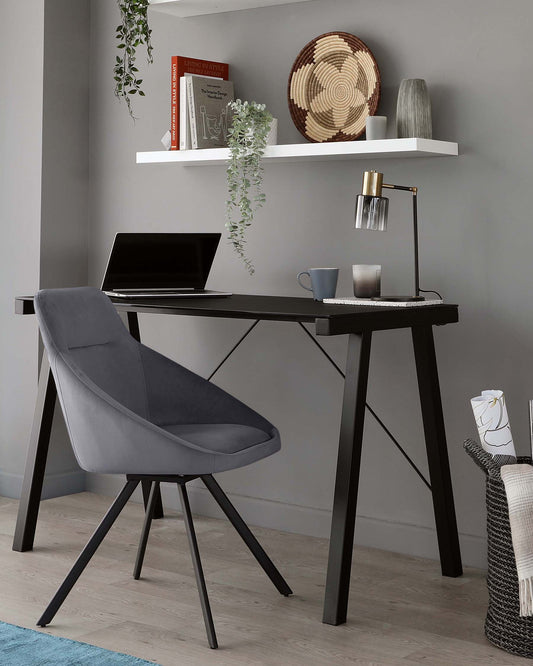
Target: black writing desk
(358, 323)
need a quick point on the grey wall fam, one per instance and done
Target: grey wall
(44, 190)
(65, 185)
(21, 83)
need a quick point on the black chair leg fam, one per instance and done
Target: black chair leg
(87, 553)
(148, 517)
(246, 535)
(146, 487)
(197, 564)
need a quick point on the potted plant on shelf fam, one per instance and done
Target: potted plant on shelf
(131, 33)
(247, 140)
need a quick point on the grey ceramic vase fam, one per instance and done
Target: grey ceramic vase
(413, 110)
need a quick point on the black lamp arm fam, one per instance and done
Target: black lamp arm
(414, 191)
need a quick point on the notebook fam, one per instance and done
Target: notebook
(152, 265)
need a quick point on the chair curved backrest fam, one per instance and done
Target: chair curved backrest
(82, 327)
(118, 396)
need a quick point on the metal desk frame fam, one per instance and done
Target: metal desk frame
(358, 323)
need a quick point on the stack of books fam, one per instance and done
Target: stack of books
(199, 96)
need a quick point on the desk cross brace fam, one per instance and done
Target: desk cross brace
(250, 329)
(380, 422)
(341, 373)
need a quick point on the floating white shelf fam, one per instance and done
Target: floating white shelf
(186, 8)
(303, 152)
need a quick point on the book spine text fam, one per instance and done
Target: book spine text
(174, 119)
(192, 113)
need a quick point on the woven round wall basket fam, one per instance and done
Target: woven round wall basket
(334, 86)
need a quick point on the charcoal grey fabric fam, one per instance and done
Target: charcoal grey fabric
(224, 437)
(130, 410)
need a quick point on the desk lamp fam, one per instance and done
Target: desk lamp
(371, 211)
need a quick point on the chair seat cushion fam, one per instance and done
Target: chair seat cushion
(220, 437)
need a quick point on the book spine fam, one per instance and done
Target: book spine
(174, 106)
(184, 116)
(192, 113)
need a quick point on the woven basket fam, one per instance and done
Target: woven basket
(503, 626)
(334, 85)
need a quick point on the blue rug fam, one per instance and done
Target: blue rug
(25, 647)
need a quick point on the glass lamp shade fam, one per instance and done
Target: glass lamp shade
(371, 212)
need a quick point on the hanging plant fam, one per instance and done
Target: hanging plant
(247, 140)
(131, 33)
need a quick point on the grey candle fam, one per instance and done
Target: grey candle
(376, 127)
(366, 280)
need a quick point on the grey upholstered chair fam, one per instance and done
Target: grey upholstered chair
(131, 411)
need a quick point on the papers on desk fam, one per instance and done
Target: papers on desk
(350, 300)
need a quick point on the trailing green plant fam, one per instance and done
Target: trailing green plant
(131, 33)
(247, 140)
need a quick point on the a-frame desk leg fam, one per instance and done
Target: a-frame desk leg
(437, 451)
(347, 480)
(36, 460)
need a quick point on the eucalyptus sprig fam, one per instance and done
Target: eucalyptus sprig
(131, 33)
(247, 140)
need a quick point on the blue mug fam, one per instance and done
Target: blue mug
(323, 282)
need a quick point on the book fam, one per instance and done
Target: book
(184, 124)
(207, 101)
(181, 65)
(367, 301)
(185, 127)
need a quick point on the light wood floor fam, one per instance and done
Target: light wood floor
(401, 610)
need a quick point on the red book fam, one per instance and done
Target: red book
(180, 66)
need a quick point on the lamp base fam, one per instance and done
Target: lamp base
(396, 299)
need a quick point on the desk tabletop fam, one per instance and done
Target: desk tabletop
(328, 319)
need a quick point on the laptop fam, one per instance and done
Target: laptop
(161, 266)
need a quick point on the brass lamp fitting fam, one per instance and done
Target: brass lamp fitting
(372, 184)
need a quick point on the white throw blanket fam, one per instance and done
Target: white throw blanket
(518, 481)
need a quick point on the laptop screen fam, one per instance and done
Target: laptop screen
(160, 261)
